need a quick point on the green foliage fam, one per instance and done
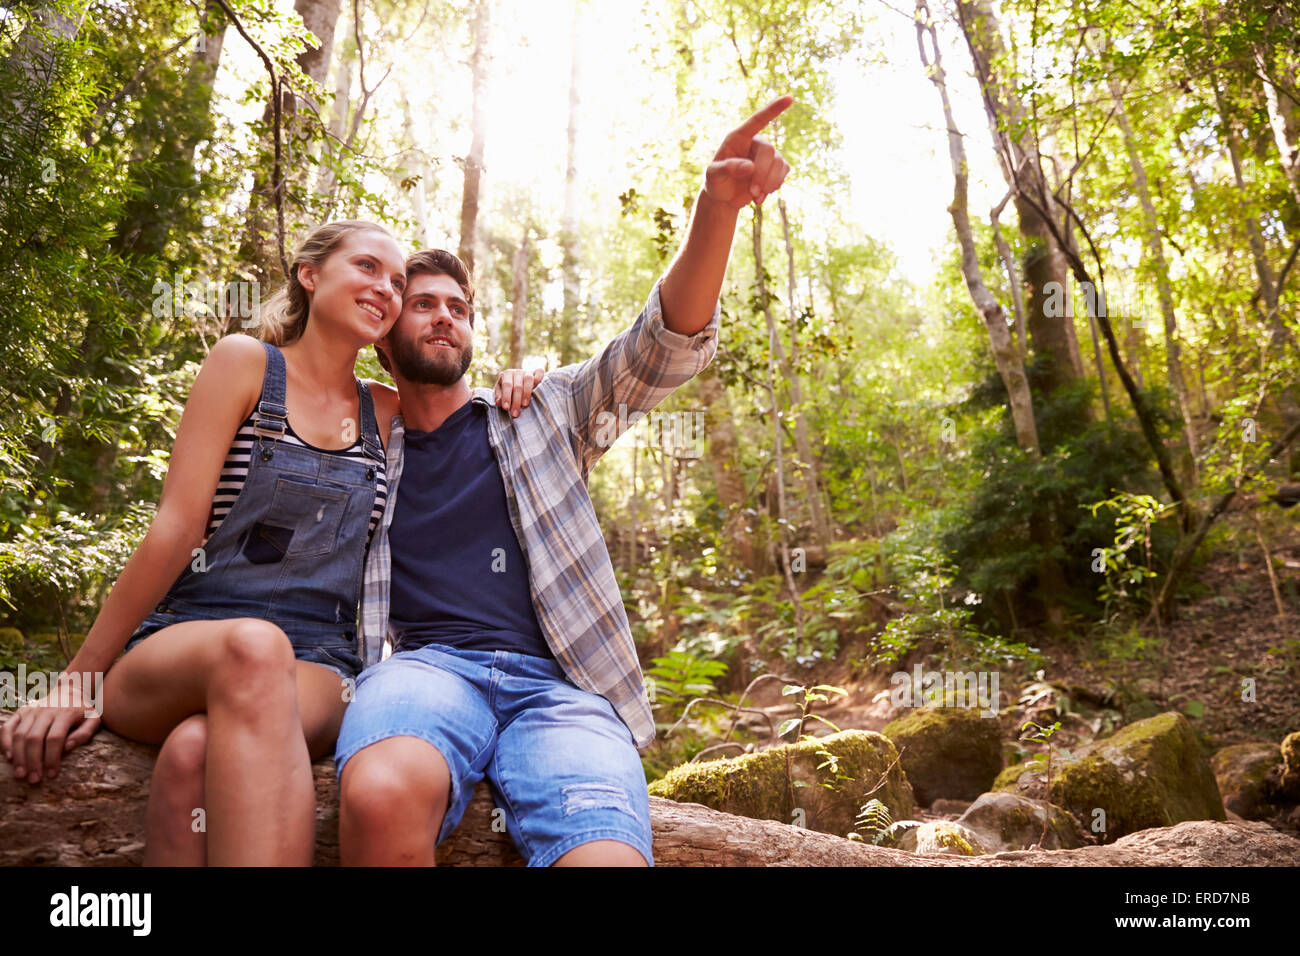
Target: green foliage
(63, 561)
(1124, 577)
(991, 535)
(792, 729)
(680, 676)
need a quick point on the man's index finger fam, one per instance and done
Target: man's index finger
(764, 116)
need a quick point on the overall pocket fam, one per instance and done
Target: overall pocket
(303, 520)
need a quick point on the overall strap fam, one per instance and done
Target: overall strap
(369, 430)
(271, 417)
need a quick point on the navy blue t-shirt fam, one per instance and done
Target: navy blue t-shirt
(458, 574)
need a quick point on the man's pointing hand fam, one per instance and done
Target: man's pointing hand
(747, 168)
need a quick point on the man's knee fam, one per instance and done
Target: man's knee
(602, 853)
(396, 779)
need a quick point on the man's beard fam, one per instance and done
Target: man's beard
(435, 369)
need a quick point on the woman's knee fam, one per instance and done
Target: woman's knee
(253, 658)
(182, 761)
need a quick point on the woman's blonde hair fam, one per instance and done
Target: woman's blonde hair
(283, 317)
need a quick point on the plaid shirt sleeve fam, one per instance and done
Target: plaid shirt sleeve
(638, 369)
(377, 575)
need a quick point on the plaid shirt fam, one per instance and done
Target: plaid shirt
(545, 456)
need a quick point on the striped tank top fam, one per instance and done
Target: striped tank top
(235, 470)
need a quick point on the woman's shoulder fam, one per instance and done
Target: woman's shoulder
(239, 361)
(237, 347)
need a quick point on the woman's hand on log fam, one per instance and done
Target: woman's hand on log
(37, 736)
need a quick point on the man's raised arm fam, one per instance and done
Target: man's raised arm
(746, 169)
(675, 337)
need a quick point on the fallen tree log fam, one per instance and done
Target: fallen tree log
(93, 814)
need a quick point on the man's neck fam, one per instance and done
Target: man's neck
(425, 407)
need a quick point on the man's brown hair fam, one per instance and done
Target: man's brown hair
(436, 262)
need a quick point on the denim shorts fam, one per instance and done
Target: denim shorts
(316, 646)
(561, 764)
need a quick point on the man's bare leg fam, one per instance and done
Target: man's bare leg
(602, 853)
(392, 798)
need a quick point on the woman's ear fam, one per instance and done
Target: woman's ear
(307, 276)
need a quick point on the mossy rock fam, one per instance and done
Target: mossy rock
(762, 785)
(1150, 774)
(1007, 777)
(1242, 772)
(11, 639)
(948, 752)
(1008, 821)
(942, 838)
(1289, 788)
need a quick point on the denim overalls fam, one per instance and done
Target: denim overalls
(292, 547)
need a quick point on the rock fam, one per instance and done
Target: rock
(1149, 774)
(1242, 773)
(1289, 785)
(948, 752)
(944, 805)
(1009, 777)
(1007, 821)
(760, 785)
(942, 838)
(11, 639)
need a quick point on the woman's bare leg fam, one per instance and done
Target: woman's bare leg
(175, 832)
(259, 798)
(175, 835)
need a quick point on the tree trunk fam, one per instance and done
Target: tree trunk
(519, 301)
(343, 73)
(469, 201)
(259, 250)
(1005, 355)
(725, 461)
(413, 180)
(1288, 150)
(810, 463)
(1156, 257)
(982, 37)
(1051, 328)
(93, 814)
(1042, 531)
(1013, 279)
(36, 60)
(774, 348)
(569, 218)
